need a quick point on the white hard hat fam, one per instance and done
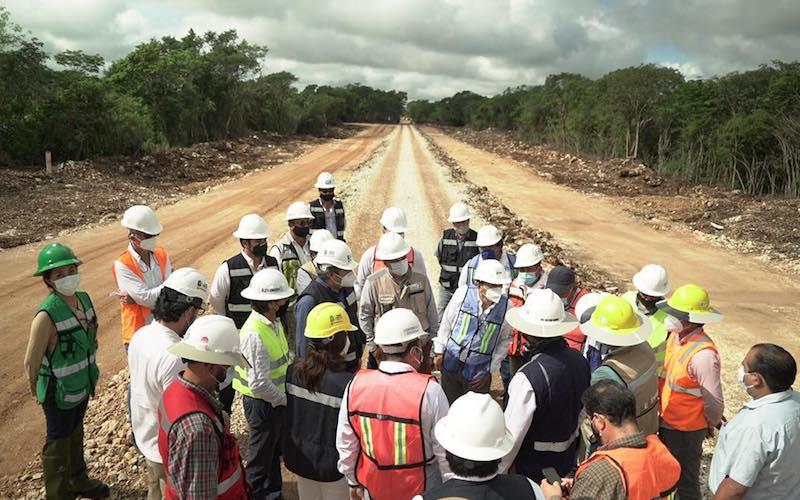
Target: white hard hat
(395, 328)
(491, 271)
(336, 253)
(252, 227)
(585, 303)
(652, 280)
(488, 236)
(325, 181)
(211, 339)
(542, 315)
(392, 246)
(459, 212)
(318, 238)
(268, 284)
(458, 434)
(394, 219)
(188, 281)
(528, 255)
(299, 210)
(142, 218)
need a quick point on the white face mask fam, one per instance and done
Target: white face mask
(346, 346)
(68, 285)
(741, 378)
(671, 323)
(349, 280)
(399, 268)
(148, 244)
(494, 294)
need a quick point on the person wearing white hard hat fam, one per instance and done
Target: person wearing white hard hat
(385, 434)
(396, 285)
(531, 277)
(473, 337)
(328, 211)
(308, 271)
(334, 283)
(393, 220)
(153, 368)
(199, 452)
(544, 396)
(455, 249)
(263, 384)
(140, 271)
(651, 285)
(490, 244)
(474, 453)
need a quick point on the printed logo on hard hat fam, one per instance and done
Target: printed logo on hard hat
(204, 340)
(410, 329)
(269, 290)
(202, 285)
(334, 318)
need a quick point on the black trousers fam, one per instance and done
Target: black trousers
(264, 453)
(61, 423)
(226, 398)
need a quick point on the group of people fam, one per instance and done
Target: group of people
(603, 396)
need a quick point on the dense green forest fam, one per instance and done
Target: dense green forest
(165, 92)
(741, 130)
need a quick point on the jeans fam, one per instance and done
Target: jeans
(455, 385)
(264, 452)
(444, 298)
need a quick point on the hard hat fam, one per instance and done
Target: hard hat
(528, 255)
(458, 434)
(652, 280)
(326, 320)
(459, 212)
(491, 271)
(189, 282)
(211, 339)
(318, 239)
(394, 219)
(488, 236)
(614, 322)
(586, 304)
(252, 227)
(336, 253)
(268, 284)
(392, 246)
(325, 181)
(142, 218)
(691, 303)
(55, 255)
(298, 210)
(396, 328)
(542, 315)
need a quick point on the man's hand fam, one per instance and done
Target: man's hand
(124, 298)
(479, 383)
(356, 493)
(551, 491)
(438, 361)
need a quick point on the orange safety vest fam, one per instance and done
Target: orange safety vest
(134, 316)
(385, 412)
(646, 473)
(378, 264)
(681, 399)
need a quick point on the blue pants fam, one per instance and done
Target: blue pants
(61, 423)
(444, 298)
(264, 451)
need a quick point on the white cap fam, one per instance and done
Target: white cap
(528, 255)
(652, 280)
(542, 315)
(396, 328)
(491, 271)
(488, 236)
(336, 253)
(392, 246)
(325, 181)
(142, 218)
(299, 210)
(458, 434)
(268, 284)
(318, 238)
(188, 281)
(211, 339)
(252, 227)
(394, 219)
(459, 212)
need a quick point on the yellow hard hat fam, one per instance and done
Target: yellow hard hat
(691, 303)
(326, 320)
(615, 322)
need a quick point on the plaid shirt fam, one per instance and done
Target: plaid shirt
(601, 480)
(194, 452)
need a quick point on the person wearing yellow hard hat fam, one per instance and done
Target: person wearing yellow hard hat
(691, 392)
(315, 385)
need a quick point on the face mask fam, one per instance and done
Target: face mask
(326, 197)
(260, 250)
(528, 278)
(67, 285)
(399, 268)
(461, 230)
(487, 254)
(301, 231)
(148, 244)
(349, 280)
(346, 346)
(741, 378)
(671, 323)
(493, 294)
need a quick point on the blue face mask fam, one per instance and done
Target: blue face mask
(488, 253)
(528, 278)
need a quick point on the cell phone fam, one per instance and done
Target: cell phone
(551, 475)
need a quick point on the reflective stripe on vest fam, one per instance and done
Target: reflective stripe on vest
(557, 446)
(242, 308)
(135, 316)
(277, 349)
(317, 397)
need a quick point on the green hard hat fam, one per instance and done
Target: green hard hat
(55, 255)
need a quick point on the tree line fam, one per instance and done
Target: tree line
(165, 92)
(741, 130)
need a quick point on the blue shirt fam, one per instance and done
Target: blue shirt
(301, 310)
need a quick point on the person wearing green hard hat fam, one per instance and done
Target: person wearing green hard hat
(61, 367)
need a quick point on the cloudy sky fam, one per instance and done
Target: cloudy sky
(432, 49)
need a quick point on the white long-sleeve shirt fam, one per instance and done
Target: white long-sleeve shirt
(450, 315)
(462, 278)
(221, 285)
(144, 292)
(434, 407)
(368, 260)
(258, 374)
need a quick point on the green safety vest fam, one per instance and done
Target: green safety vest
(278, 349)
(658, 339)
(290, 263)
(71, 365)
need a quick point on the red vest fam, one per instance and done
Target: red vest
(576, 338)
(134, 315)
(385, 413)
(378, 264)
(181, 400)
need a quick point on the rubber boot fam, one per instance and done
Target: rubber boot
(80, 483)
(55, 467)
